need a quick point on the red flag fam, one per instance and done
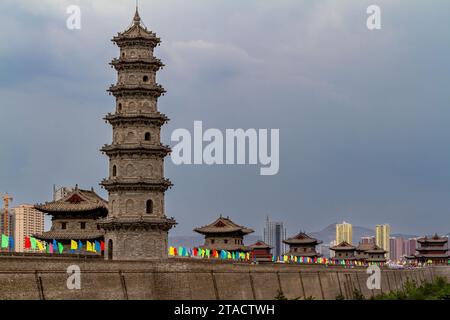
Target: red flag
(27, 243)
(102, 246)
(175, 252)
(195, 252)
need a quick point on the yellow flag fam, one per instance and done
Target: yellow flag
(88, 246)
(73, 245)
(171, 251)
(40, 246)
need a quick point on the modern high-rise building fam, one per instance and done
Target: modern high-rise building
(59, 193)
(274, 234)
(411, 246)
(28, 221)
(344, 232)
(398, 248)
(11, 222)
(332, 244)
(382, 237)
(367, 240)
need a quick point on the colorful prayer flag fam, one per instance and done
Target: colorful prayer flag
(27, 243)
(60, 247)
(73, 245)
(33, 243)
(5, 241)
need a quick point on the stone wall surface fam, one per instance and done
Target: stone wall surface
(177, 278)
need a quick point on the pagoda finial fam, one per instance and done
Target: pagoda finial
(137, 18)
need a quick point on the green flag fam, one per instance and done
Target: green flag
(5, 241)
(60, 247)
(33, 243)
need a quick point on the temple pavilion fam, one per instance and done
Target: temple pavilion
(74, 217)
(302, 245)
(261, 251)
(344, 251)
(224, 234)
(432, 249)
(371, 253)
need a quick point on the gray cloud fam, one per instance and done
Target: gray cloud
(363, 115)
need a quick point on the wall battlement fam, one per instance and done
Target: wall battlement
(178, 278)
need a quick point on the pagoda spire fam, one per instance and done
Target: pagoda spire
(137, 18)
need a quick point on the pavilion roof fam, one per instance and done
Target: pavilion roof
(223, 225)
(302, 238)
(260, 245)
(343, 246)
(433, 239)
(370, 248)
(137, 29)
(77, 201)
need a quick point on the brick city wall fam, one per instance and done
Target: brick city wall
(46, 278)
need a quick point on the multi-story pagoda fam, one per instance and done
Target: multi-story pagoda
(370, 252)
(74, 217)
(302, 245)
(344, 251)
(224, 234)
(136, 226)
(433, 249)
(261, 251)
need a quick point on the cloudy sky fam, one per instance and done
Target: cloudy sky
(363, 115)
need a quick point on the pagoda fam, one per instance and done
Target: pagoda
(224, 234)
(136, 227)
(433, 249)
(302, 245)
(74, 217)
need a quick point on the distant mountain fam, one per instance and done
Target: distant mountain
(329, 233)
(195, 241)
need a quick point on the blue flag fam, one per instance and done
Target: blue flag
(80, 244)
(55, 245)
(11, 243)
(98, 247)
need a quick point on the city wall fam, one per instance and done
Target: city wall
(179, 278)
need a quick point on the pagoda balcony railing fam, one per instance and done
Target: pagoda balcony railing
(133, 181)
(135, 145)
(138, 114)
(150, 60)
(138, 86)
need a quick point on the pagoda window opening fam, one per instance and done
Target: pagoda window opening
(149, 207)
(114, 171)
(119, 108)
(63, 225)
(145, 78)
(212, 241)
(83, 225)
(225, 241)
(147, 136)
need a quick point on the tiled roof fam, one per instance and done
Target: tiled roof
(370, 248)
(302, 238)
(76, 201)
(260, 245)
(433, 239)
(70, 235)
(344, 245)
(223, 225)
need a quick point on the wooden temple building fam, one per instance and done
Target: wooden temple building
(344, 251)
(75, 217)
(302, 245)
(371, 253)
(224, 234)
(261, 251)
(432, 250)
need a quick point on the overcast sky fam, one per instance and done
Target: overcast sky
(363, 115)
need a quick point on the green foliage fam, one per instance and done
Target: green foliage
(340, 296)
(357, 295)
(439, 289)
(280, 295)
